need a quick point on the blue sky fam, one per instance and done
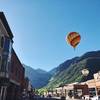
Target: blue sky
(40, 28)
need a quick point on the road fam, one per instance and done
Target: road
(53, 99)
(45, 99)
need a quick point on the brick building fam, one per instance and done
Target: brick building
(16, 78)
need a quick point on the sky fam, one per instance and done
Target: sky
(40, 28)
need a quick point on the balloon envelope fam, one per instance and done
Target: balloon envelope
(73, 38)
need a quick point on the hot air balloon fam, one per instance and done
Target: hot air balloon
(73, 38)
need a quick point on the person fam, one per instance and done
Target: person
(70, 94)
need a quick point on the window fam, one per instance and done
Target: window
(2, 42)
(0, 61)
(12, 66)
(3, 65)
(92, 92)
(6, 44)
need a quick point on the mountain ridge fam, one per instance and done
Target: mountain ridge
(70, 70)
(38, 77)
(67, 72)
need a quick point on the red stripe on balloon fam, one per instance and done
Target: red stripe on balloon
(76, 38)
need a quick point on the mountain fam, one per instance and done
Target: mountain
(64, 65)
(40, 70)
(70, 70)
(38, 77)
(67, 72)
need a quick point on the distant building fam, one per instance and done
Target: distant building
(88, 89)
(26, 82)
(11, 69)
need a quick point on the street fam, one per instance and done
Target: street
(53, 99)
(45, 99)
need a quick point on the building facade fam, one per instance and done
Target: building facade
(6, 42)
(88, 89)
(11, 69)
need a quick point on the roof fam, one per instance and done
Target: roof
(6, 25)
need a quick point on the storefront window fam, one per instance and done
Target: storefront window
(98, 91)
(92, 92)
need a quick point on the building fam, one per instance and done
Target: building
(6, 41)
(16, 78)
(11, 69)
(87, 89)
(27, 85)
(26, 82)
(97, 82)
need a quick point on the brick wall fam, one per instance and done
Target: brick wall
(17, 71)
